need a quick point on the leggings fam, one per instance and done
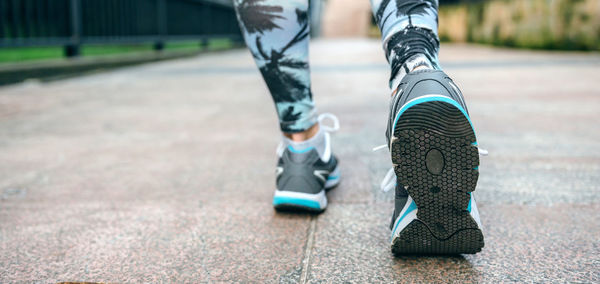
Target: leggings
(277, 34)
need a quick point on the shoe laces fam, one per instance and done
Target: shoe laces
(390, 180)
(336, 122)
(326, 128)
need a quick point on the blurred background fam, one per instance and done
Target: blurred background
(147, 30)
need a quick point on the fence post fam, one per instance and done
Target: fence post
(204, 42)
(72, 49)
(161, 23)
(204, 23)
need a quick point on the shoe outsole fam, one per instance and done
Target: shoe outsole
(297, 204)
(435, 157)
(295, 208)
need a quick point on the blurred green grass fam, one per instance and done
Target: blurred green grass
(29, 54)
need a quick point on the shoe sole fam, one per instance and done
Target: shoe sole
(297, 201)
(436, 159)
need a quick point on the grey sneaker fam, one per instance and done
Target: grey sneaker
(436, 162)
(303, 176)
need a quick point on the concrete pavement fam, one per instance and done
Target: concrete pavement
(165, 172)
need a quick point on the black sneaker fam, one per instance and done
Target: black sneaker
(436, 160)
(303, 176)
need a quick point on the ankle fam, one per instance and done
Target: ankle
(304, 135)
(420, 67)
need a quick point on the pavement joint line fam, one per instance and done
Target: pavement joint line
(310, 240)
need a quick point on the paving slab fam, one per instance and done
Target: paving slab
(523, 244)
(164, 172)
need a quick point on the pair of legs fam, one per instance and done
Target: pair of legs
(430, 136)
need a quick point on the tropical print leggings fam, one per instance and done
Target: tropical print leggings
(277, 34)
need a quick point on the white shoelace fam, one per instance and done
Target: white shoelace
(333, 118)
(389, 181)
(326, 128)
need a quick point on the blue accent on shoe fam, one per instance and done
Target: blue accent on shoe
(277, 200)
(299, 151)
(333, 177)
(476, 168)
(431, 99)
(469, 206)
(411, 207)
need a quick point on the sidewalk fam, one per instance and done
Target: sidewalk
(165, 172)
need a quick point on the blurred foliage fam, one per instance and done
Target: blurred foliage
(540, 24)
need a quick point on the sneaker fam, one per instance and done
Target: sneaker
(304, 175)
(435, 156)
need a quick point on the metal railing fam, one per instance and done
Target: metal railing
(72, 23)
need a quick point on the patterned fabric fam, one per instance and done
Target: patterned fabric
(409, 34)
(277, 34)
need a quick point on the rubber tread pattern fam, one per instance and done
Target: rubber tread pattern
(444, 224)
(416, 238)
(295, 208)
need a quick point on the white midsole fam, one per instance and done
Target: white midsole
(333, 181)
(318, 197)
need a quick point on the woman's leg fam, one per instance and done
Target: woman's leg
(277, 34)
(409, 34)
(431, 139)
(276, 31)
